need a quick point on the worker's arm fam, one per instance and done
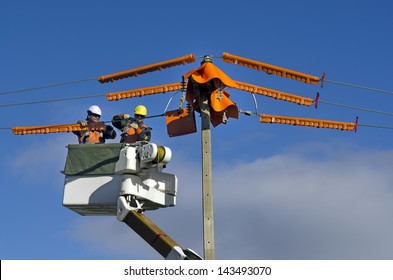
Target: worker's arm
(80, 133)
(109, 132)
(122, 121)
(144, 133)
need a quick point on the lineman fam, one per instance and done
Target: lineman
(92, 135)
(133, 128)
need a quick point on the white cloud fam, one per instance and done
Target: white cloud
(39, 163)
(288, 206)
(109, 238)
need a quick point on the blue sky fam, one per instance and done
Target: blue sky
(280, 192)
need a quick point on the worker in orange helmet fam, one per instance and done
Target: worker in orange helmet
(91, 134)
(133, 128)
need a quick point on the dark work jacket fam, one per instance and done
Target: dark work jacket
(131, 135)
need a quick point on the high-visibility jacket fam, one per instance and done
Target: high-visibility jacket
(132, 135)
(94, 135)
(91, 137)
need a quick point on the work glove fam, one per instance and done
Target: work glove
(108, 129)
(126, 116)
(83, 123)
(134, 125)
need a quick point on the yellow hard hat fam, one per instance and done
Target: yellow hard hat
(140, 110)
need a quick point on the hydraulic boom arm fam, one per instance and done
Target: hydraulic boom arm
(152, 234)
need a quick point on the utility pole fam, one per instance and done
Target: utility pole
(207, 185)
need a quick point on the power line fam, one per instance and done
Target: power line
(356, 108)
(376, 126)
(100, 95)
(51, 100)
(358, 86)
(90, 79)
(47, 86)
(248, 113)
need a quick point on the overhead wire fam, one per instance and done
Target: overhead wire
(249, 113)
(51, 100)
(246, 112)
(358, 86)
(47, 86)
(95, 78)
(376, 126)
(354, 107)
(100, 95)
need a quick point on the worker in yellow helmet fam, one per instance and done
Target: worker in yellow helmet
(91, 134)
(133, 128)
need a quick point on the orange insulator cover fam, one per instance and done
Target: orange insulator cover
(44, 129)
(270, 69)
(180, 122)
(308, 122)
(143, 91)
(147, 68)
(207, 72)
(220, 104)
(275, 94)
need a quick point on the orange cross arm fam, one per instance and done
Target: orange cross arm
(147, 68)
(44, 129)
(308, 122)
(275, 94)
(143, 91)
(270, 69)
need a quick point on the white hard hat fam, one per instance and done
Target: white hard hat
(94, 109)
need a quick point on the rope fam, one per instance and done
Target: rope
(170, 100)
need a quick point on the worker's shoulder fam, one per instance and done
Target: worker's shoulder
(118, 116)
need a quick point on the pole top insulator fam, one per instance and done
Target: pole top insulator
(207, 58)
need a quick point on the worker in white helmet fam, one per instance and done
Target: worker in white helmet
(92, 134)
(133, 128)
